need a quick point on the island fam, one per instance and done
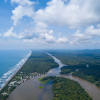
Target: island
(66, 89)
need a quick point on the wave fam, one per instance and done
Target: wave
(7, 76)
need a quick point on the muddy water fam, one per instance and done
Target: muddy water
(91, 89)
(30, 91)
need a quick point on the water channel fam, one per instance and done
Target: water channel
(29, 90)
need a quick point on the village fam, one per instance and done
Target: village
(17, 80)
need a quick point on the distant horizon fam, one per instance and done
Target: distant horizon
(47, 49)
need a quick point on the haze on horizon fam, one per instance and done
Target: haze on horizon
(50, 24)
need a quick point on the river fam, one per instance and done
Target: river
(29, 90)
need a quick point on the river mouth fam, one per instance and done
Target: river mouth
(29, 90)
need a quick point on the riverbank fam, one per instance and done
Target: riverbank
(83, 63)
(28, 86)
(64, 88)
(90, 88)
(33, 67)
(29, 90)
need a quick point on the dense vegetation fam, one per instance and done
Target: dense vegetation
(66, 89)
(38, 63)
(83, 63)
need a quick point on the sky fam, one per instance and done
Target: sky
(49, 24)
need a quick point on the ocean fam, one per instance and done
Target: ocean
(10, 62)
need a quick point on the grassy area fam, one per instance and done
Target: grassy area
(40, 87)
(43, 81)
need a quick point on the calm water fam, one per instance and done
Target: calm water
(29, 90)
(10, 62)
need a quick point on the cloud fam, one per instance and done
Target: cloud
(20, 12)
(51, 31)
(93, 31)
(62, 40)
(74, 13)
(0, 34)
(59, 34)
(88, 36)
(27, 34)
(47, 38)
(40, 27)
(5, 0)
(10, 33)
(79, 38)
(23, 2)
(67, 13)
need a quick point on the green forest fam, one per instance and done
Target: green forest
(38, 62)
(82, 63)
(66, 89)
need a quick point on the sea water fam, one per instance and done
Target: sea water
(10, 62)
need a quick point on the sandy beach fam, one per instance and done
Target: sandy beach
(16, 72)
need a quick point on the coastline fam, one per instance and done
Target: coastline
(30, 87)
(95, 95)
(26, 58)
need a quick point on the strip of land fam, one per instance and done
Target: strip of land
(37, 64)
(40, 63)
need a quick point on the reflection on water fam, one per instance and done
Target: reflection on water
(30, 91)
(92, 90)
(55, 71)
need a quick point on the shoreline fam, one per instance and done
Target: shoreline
(30, 52)
(88, 90)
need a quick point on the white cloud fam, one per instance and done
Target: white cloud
(93, 31)
(0, 34)
(40, 27)
(59, 34)
(51, 31)
(10, 33)
(20, 12)
(27, 34)
(88, 36)
(48, 38)
(98, 25)
(73, 14)
(62, 40)
(23, 2)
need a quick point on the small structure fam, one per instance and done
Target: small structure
(77, 69)
(12, 83)
(87, 65)
(4, 93)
